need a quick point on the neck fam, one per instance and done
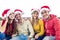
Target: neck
(20, 20)
(48, 18)
(35, 21)
(11, 21)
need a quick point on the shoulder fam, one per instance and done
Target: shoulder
(0, 22)
(27, 21)
(40, 20)
(56, 19)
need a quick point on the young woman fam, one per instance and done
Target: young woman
(25, 30)
(8, 24)
(37, 25)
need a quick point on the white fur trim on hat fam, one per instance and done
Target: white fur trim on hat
(35, 10)
(9, 12)
(17, 12)
(44, 9)
(4, 16)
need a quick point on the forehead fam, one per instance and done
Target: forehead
(18, 14)
(12, 13)
(44, 11)
(35, 12)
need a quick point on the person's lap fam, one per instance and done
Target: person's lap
(49, 38)
(2, 36)
(7, 37)
(40, 38)
(19, 37)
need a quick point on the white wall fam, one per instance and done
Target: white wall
(26, 5)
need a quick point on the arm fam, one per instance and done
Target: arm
(42, 28)
(4, 23)
(57, 28)
(30, 29)
(0, 26)
(3, 27)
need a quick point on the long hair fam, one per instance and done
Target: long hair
(13, 29)
(33, 20)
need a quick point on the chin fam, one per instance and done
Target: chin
(12, 18)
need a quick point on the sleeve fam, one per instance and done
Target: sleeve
(0, 25)
(57, 28)
(3, 27)
(30, 29)
(41, 27)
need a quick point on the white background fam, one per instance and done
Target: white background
(27, 5)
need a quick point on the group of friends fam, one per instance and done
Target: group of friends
(14, 27)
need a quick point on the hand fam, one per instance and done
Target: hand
(36, 36)
(13, 35)
(29, 39)
(6, 19)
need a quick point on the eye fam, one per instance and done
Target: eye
(42, 12)
(12, 13)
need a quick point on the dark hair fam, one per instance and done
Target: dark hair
(44, 12)
(14, 27)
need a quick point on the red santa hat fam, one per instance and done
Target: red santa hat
(17, 11)
(6, 13)
(32, 10)
(44, 8)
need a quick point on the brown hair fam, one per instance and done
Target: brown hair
(33, 21)
(14, 26)
(35, 11)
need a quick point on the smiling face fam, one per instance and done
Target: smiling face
(45, 14)
(18, 16)
(11, 15)
(35, 14)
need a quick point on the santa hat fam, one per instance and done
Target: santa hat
(32, 10)
(6, 13)
(17, 11)
(44, 8)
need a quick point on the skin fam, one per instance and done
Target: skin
(18, 17)
(35, 16)
(11, 16)
(45, 14)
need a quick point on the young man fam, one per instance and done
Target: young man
(24, 27)
(52, 24)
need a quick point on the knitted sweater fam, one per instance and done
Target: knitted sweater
(25, 27)
(39, 28)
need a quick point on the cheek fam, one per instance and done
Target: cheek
(13, 16)
(44, 14)
(37, 15)
(32, 15)
(10, 17)
(17, 16)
